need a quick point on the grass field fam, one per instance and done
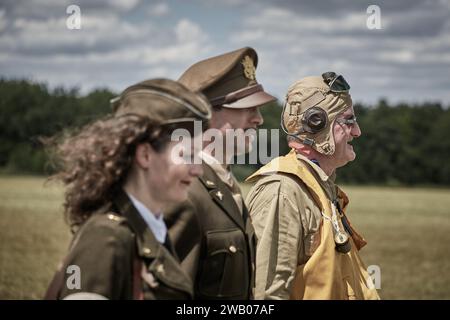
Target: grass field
(408, 231)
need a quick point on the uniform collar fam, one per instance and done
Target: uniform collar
(147, 244)
(316, 169)
(209, 159)
(164, 265)
(221, 169)
(156, 224)
(221, 194)
(327, 182)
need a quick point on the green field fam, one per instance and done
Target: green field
(408, 231)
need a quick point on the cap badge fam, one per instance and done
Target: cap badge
(249, 68)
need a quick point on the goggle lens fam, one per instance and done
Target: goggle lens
(337, 83)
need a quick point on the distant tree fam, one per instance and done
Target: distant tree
(400, 144)
(30, 111)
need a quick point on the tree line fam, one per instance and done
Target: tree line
(401, 144)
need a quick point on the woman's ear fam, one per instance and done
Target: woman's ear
(144, 155)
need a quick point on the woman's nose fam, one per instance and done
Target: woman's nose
(196, 170)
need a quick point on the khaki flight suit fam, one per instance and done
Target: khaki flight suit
(296, 255)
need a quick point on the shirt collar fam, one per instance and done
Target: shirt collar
(222, 171)
(156, 224)
(318, 170)
(209, 159)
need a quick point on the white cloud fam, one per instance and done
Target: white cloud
(119, 45)
(293, 44)
(225, 3)
(122, 5)
(403, 56)
(159, 9)
(188, 31)
(2, 20)
(445, 3)
(107, 51)
(280, 19)
(159, 72)
(99, 32)
(45, 9)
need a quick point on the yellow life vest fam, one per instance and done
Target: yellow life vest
(328, 274)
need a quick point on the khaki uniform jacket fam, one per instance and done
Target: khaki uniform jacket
(119, 258)
(215, 243)
(287, 221)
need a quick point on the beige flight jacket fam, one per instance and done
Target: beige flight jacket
(287, 222)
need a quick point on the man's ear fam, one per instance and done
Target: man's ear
(300, 148)
(144, 155)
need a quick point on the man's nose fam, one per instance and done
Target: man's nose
(356, 130)
(256, 117)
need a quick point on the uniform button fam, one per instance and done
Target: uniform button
(160, 268)
(113, 217)
(146, 251)
(232, 249)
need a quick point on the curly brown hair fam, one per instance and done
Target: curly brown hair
(93, 162)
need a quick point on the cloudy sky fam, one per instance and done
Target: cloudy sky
(122, 42)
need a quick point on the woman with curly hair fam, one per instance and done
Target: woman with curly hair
(120, 173)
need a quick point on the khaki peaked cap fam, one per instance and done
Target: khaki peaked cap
(228, 80)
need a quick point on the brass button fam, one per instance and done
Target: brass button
(232, 249)
(160, 268)
(146, 251)
(113, 217)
